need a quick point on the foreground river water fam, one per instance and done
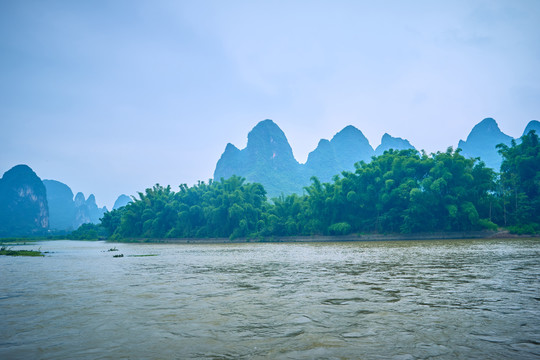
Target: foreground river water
(459, 299)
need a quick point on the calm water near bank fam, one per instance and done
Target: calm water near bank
(451, 299)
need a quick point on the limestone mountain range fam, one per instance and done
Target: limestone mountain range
(269, 160)
(31, 206)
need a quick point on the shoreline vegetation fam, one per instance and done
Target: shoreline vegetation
(351, 238)
(400, 192)
(9, 252)
(468, 235)
(462, 235)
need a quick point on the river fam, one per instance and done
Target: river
(451, 299)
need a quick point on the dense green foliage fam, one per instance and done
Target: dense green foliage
(228, 208)
(520, 184)
(405, 192)
(399, 191)
(89, 231)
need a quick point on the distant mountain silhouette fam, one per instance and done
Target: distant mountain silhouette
(532, 125)
(482, 142)
(389, 142)
(122, 200)
(23, 203)
(322, 161)
(332, 157)
(61, 206)
(268, 157)
(87, 211)
(67, 213)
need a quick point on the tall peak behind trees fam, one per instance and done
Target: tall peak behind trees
(121, 201)
(532, 125)
(350, 146)
(340, 153)
(482, 142)
(268, 143)
(268, 158)
(389, 142)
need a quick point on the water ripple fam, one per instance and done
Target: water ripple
(396, 300)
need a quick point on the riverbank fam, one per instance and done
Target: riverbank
(504, 234)
(342, 238)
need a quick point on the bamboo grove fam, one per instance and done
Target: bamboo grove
(397, 192)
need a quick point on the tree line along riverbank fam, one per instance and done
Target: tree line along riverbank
(473, 235)
(400, 192)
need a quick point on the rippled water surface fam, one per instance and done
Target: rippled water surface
(380, 300)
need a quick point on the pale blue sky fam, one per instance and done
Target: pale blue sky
(112, 97)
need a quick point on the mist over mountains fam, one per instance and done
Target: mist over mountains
(268, 157)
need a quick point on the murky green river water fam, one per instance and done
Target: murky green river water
(372, 300)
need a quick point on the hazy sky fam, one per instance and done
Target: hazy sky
(111, 97)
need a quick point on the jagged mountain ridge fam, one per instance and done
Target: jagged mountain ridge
(389, 142)
(67, 212)
(31, 206)
(121, 201)
(268, 158)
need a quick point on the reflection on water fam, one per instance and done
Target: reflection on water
(380, 300)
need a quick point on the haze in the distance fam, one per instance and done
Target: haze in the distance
(112, 97)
